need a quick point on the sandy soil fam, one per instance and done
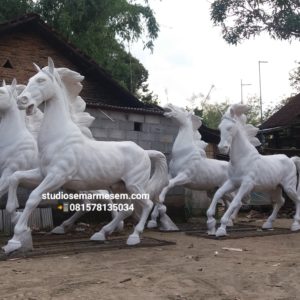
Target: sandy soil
(267, 268)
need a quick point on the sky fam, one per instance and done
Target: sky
(190, 56)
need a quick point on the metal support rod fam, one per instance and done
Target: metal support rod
(260, 93)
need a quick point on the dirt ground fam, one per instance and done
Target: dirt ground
(194, 268)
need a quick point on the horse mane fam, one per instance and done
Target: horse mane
(71, 81)
(249, 130)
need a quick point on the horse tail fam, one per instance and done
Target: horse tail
(159, 178)
(296, 161)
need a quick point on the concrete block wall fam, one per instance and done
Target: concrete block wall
(156, 132)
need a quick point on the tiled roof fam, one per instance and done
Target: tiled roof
(85, 63)
(287, 115)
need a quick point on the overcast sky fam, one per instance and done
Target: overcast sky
(190, 56)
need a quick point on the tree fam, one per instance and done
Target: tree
(13, 8)
(102, 29)
(211, 114)
(241, 19)
(295, 78)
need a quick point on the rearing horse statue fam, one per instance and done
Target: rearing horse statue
(18, 146)
(189, 167)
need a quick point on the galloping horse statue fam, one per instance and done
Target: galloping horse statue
(249, 170)
(69, 159)
(19, 150)
(18, 146)
(189, 166)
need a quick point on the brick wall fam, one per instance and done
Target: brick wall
(23, 48)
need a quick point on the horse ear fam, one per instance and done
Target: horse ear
(50, 65)
(3, 83)
(238, 109)
(13, 85)
(196, 121)
(37, 68)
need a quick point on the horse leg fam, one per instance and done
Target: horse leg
(154, 215)
(22, 234)
(291, 192)
(278, 203)
(234, 215)
(147, 205)
(31, 178)
(227, 187)
(67, 225)
(244, 189)
(160, 209)
(4, 181)
(111, 226)
(180, 179)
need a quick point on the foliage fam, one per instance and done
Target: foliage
(295, 78)
(13, 8)
(211, 113)
(102, 29)
(242, 19)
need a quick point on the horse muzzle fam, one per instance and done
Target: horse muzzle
(223, 149)
(25, 104)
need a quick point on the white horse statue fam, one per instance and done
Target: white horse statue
(68, 158)
(18, 146)
(19, 151)
(189, 166)
(248, 170)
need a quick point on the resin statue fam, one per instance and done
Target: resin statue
(189, 166)
(248, 170)
(18, 146)
(19, 149)
(69, 159)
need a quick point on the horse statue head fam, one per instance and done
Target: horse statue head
(234, 121)
(181, 116)
(49, 82)
(8, 95)
(40, 88)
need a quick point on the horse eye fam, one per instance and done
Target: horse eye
(40, 80)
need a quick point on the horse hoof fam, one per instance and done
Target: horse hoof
(211, 226)
(166, 224)
(98, 236)
(152, 224)
(295, 226)
(230, 223)
(23, 243)
(267, 225)
(11, 246)
(221, 232)
(133, 240)
(58, 230)
(211, 231)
